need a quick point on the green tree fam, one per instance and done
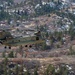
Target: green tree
(72, 32)
(11, 54)
(5, 71)
(10, 1)
(9, 72)
(35, 71)
(17, 70)
(63, 70)
(3, 54)
(72, 52)
(1, 69)
(21, 70)
(5, 62)
(4, 15)
(50, 70)
(27, 73)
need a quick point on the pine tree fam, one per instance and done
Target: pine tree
(6, 61)
(27, 73)
(16, 69)
(21, 70)
(9, 72)
(11, 54)
(50, 70)
(3, 54)
(40, 1)
(35, 72)
(5, 66)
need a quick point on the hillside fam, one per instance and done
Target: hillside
(19, 1)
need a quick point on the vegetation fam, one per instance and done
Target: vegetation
(27, 73)
(11, 54)
(5, 35)
(18, 69)
(35, 71)
(54, 38)
(45, 9)
(4, 15)
(3, 54)
(72, 51)
(9, 1)
(51, 70)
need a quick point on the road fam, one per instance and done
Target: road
(48, 60)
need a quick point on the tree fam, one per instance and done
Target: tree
(48, 0)
(17, 70)
(1, 69)
(21, 70)
(72, 32)
(11, 54)
(10, 1)
(5, 65)
(9, 72)
(4, 15)
(21, 50)
(5, 61)
(63, 70)
(35, 71)
(72, 52)
(50, 70)
(40, 1)
(27, 73)
(5, 71)
(3, 54)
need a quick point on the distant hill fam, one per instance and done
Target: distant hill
(19, 1)
(10, 1)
